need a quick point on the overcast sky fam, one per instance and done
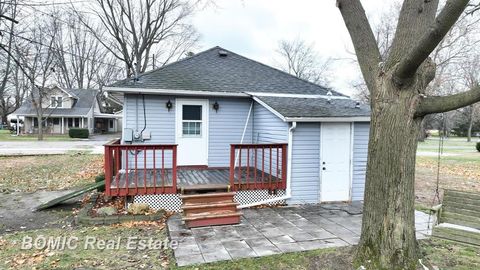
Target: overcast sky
(253, 28)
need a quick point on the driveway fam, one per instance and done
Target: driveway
(269, 231)
(94, 145)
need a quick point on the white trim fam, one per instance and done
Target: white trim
(174, 92)
(66, 92)
(352, 140)
(328, 119)
(272, 110)
(266, 94)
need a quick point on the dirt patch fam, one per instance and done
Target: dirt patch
(340, 258)
(16, 211)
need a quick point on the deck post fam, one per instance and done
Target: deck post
(174, 169)
(284, 166)
(232, 167)
(108, 169)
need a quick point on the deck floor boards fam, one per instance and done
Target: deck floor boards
(185, 177)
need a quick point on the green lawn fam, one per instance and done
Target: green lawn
(52, 172)
(443, 254)
(5, 135)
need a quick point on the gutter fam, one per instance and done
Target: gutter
(288, 194)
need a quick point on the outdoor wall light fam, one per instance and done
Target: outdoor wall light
(169, 105)
(216, 106)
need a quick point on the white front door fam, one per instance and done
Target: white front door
(335, 161)
(192, 131)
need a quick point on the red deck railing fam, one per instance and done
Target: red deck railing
(136, 169)
(258, 166)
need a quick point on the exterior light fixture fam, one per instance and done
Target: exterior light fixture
(169, 105)
(216, 106)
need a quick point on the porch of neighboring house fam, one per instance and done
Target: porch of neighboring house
(145, 169)
(54, 124)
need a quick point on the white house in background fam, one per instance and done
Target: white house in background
(69, 108)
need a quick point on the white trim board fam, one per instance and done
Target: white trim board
(266, 94)
(173, 92)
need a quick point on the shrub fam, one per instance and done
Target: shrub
(78, 133)
(478, 146)
(100, 178)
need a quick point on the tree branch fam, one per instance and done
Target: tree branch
(438, 104)
(444, 21)
(363, 39)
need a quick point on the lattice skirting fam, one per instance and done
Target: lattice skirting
(244, 197)
(172, 202)
(167, 202)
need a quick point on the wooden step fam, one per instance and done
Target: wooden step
(200, 189)
(207, 198)
(202, 208)
(212, 218)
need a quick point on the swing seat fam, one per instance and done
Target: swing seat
(459, 217)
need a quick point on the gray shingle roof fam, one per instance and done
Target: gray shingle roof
(315, 107)
(208, 71)
(85, 99)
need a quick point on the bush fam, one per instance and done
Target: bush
(100, 178)
(78, 133)
(478, 146)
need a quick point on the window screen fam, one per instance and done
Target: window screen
(59, 102)
(192, 112)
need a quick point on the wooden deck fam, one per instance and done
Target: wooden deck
(186, 177)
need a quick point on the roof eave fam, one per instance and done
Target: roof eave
(128, 90)
(329, 119)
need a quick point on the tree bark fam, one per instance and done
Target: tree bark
(388, 227)
(40, 128)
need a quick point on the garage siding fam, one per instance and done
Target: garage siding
(360, 152)
(306, 164)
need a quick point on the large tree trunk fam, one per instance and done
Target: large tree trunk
(388, 228)
(4, 119)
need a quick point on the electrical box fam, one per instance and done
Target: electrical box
(128, 135)
(146, 135)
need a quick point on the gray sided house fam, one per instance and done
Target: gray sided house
(236, 121)
(69, 108)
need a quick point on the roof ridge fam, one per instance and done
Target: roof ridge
(281, 71)
(168, 65)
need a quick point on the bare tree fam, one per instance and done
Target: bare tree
(11, 85)
(300, 59)
(399, 102)
(142, 32)
(471, 78)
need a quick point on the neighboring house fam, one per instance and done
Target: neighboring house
(69, 108)
(218, 118)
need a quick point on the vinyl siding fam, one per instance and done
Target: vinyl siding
(360, 151)
(268, 128)
(306, 164)
(225, 126)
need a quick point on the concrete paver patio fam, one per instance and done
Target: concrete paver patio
(269, 231)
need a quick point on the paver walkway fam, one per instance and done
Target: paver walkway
(271, 231)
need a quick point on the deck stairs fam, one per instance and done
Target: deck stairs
(459, 217)
(207, 205)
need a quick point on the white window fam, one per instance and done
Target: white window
(192, 120)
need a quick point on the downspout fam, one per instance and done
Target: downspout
(288, 194)
(244, 131)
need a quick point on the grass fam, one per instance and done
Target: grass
(440, 253)
(458, 168)
(12, 256)
(52, 172)
(6, 135)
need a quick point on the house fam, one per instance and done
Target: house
(218, 118)
(67, 108)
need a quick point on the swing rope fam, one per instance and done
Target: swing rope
(436, 197)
